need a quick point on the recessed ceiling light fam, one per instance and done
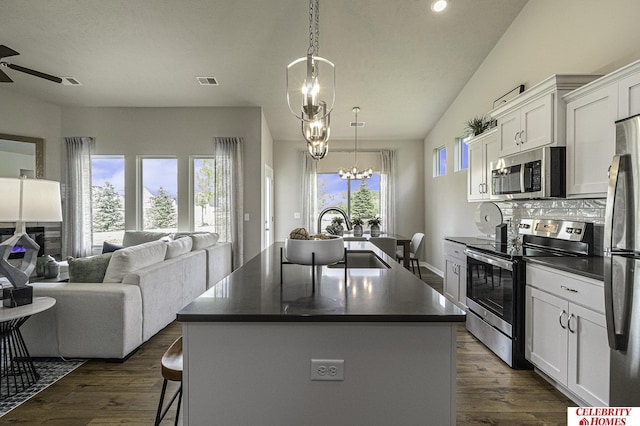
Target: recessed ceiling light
(207, 81)
(439, 5)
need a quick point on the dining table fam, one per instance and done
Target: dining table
(401, 241)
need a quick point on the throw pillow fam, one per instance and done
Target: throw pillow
(131, 259)
(88, 269)
(108, 247)
(133, 238)
(178, 247)
(205, 240)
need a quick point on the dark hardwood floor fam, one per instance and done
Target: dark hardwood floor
(99, 393)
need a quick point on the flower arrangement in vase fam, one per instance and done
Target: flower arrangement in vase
(357, 223)
(374, 224)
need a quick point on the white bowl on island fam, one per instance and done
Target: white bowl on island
(327, 251)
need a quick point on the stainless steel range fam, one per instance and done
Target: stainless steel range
(496, 281)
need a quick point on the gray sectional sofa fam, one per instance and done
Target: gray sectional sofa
(144, 285)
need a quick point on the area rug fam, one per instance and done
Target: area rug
(51, 370)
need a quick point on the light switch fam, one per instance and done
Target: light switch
(296, 215)
(246, 217)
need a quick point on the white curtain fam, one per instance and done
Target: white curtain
(309, 192)
(387, 191)
(77, 237)
(228, 194)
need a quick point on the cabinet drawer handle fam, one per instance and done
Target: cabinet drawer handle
(569, 323)
(568, 289)
(560, 319)
(515, 138)
(522, 140)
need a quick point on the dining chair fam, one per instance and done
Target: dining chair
(386, 244)
(415, 248)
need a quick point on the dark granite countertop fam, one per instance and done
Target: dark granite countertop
(471, 241)
(253, 293)
(589, 266)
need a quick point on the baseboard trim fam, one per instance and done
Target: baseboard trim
(432, 269)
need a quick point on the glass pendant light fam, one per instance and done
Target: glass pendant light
(312, 78)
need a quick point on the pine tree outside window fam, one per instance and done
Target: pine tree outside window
(159, 194)
(356, 197)
(107, 195)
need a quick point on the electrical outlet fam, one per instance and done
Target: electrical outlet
(327, 369)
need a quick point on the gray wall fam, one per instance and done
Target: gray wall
(409, 187)
(548, 37)
(25, 116)
(179, 132)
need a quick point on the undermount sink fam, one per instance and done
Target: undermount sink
(362, 259)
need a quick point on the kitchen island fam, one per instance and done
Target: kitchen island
(380, 346)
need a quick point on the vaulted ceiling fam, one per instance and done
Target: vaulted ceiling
(396, 59)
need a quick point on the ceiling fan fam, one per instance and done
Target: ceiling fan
(4, 78)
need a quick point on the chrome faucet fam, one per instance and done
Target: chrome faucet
(347, 222)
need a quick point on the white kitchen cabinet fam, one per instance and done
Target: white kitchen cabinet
(528, 127)
(483, 149)
(455, 273)
(592, 111)
(566, 333)
(629, 93)
(591, 131)
(536, 117)
(546, 338)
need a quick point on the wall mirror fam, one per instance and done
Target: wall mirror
(21, 155)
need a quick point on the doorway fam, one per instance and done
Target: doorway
(268, 219)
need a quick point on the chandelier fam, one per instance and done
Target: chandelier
(312, 78)
(354, 173)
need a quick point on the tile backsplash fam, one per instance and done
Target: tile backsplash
(591, 210)
(588, 210)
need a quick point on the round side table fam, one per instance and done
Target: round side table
(17, 371)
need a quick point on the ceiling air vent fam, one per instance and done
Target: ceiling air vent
(70, 81)
(207, 81)
(356, 124)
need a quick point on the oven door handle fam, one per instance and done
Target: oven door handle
(491, 260)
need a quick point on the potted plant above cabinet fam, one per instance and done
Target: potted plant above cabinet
(477, 125)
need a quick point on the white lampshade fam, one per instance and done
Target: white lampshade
(40, 200)
(10, 196)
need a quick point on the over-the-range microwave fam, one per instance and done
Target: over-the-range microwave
(539, 173)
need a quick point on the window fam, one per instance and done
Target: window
(107, 199)
(203, 193)
(440, 161)
(356, 197)
(159, 194)
(461, 153)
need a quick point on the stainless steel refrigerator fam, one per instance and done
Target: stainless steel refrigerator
(622, 265)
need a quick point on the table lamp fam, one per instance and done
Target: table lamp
(24, 200)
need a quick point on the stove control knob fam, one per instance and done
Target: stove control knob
(569, 230)
(577, 231)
